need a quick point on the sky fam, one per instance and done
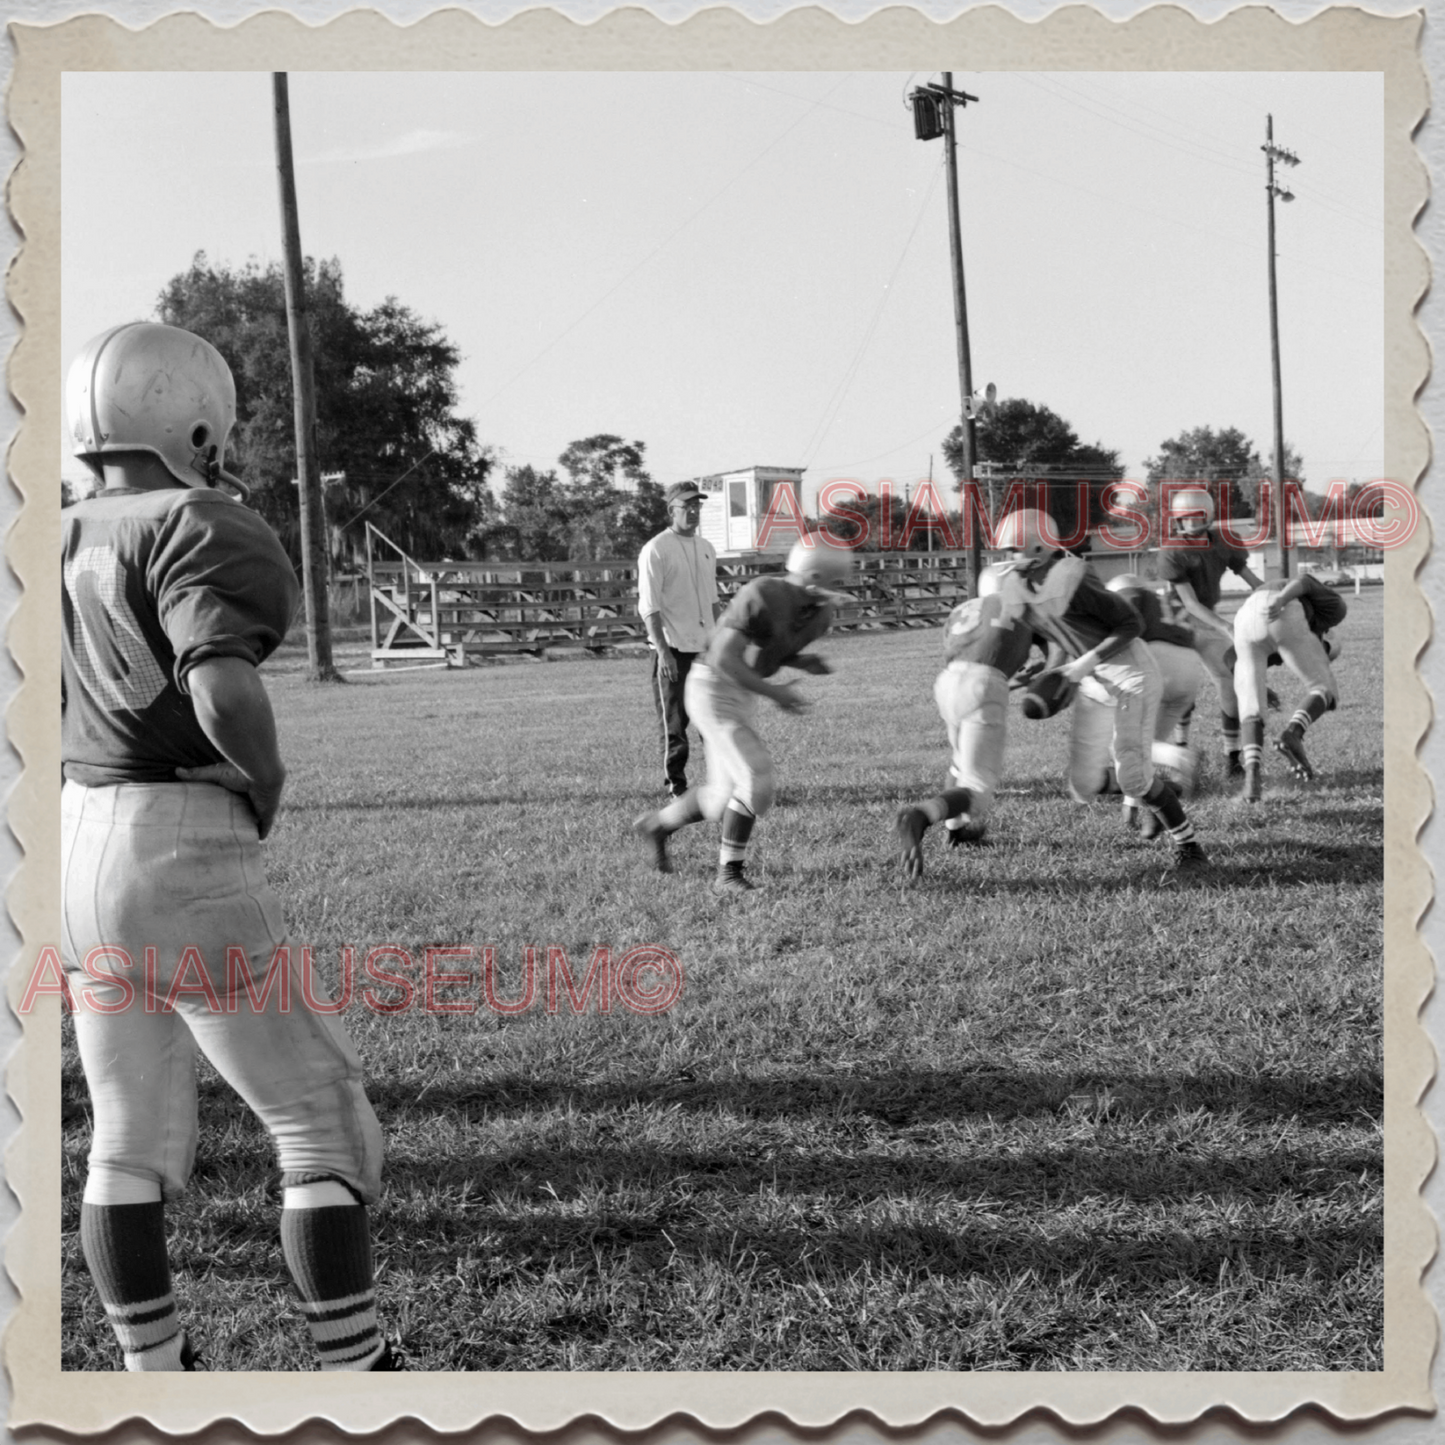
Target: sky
(740, 269)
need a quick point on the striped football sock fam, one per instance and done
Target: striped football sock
(1314, 708)
(737, 828)
(681, 812)
(328, 1252)
(1164, 802)
(951, 803)
(1253, 738)
(125, 1249)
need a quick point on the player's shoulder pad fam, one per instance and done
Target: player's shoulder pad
(1064, 578)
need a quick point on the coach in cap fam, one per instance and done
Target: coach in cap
(677, 601)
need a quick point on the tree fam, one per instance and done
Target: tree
(535, 515)
(607, 506)
(644, 516)
(385, 407)
(1024, 441)
(613, 505)
(1221, 459)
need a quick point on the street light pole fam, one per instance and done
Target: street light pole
(933, 115)
(960, 323)
(1272, 154)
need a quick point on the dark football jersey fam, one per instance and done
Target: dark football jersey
(1157, 627)
(1069, 605)
(1201, 567)
(155, 582)
(979, 631)
(778, 618)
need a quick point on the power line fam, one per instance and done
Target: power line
(657, 249)
(1199, 152)
(830, 411)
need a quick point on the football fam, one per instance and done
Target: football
(1049, 693)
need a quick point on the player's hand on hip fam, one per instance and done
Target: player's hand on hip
(1079, 669)
(228, 775)
(264, 798)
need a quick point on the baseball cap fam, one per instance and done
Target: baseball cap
(684, 492)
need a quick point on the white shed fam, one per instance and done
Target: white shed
(737, 507)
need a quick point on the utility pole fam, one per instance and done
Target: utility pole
(1272, 154)
(303, 385)
(933, 107)
(931, 495)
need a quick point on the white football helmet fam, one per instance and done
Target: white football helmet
(818, 565)
(153, 388)
(1191, 509)
(1127, 582)
(1022, 533)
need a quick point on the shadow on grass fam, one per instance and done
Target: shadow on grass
(628, 801)
(906, 1098)
(1234, 862)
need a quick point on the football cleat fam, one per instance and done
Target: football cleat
(1253, 785)
(1234, 768)
(654, 839)
(908, 830)
(392, 1357)
(731, 880)
(969, 833)
(1190, 855)
(190, 1357)
(1290, 745)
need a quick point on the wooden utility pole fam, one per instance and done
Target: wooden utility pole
(303, 386)
(933, 115)
(960, 324)
(1275, 153)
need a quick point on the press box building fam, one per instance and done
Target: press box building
(737, 507)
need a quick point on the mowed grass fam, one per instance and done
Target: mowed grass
(1051, 1109)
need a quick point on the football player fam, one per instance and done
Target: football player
(982, 650)
(174, 593)
(1193, 560)
(1291, 619)
(1119, 685)
(765, 627)
(1181, 674)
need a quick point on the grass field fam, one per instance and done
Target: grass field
(1051, 1109)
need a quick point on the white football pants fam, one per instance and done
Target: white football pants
(972, 700)
(1211, 647)
(172, 867)
(739, 767)
(1182, 675)
(1114, 716)
(1255, 637)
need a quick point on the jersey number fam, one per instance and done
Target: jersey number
(106, 640)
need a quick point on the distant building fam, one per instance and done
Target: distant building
(738, 504)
